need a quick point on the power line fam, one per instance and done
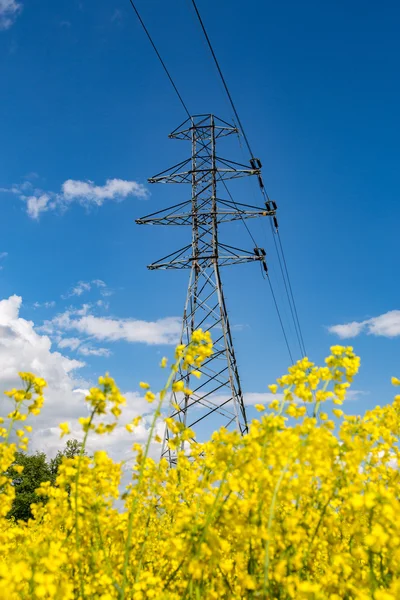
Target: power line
(269, 281)
(241, 216)
(222, 77)
(181, 99)
(160, 59)
(293, 311)
(244, 136)
(280, 320)
(290, 294)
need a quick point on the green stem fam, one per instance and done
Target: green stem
(141, 476)
(270, 520)
(280, 411)
(318, 404)
(78, 471)
(105, 554)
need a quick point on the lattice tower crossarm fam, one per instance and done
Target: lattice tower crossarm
(218, 394)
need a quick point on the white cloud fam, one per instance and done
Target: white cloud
(353, 395)
(83, 392)
(9, 10)
(162, 331)
(385, 325)
(103, 303)
(348, 330)
(37, 204)
(252, 398)
(85, 193)
(99, 282)
(61, 322)
(86, 286)
(80, 288)
(82, 321)
(90, 351)
(50, 304)
(22, 348)
(71, 343)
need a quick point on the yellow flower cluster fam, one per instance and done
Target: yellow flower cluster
(292, 510)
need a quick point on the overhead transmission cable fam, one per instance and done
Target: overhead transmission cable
(280, 318)
(267, 275)
(159, 58)
(240, 126)
(240, 214)
(222, 77)
(288, 289)
(285, 270)
(291, 291)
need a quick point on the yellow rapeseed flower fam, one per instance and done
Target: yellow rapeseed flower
(65, 430)
(292, 508)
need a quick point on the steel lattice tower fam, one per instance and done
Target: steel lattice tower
(218, 393)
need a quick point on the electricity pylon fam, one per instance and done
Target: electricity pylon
(218, 394)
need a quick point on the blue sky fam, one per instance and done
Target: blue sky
(85, 100)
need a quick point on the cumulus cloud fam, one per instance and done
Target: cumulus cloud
(161, 331)
(23, 348)
(385, 325)
(9, 11)
(85, 193)
(79, 328)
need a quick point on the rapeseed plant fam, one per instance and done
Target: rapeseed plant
(301, 507)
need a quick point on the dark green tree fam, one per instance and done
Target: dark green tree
(37, 469)
(72, 449)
